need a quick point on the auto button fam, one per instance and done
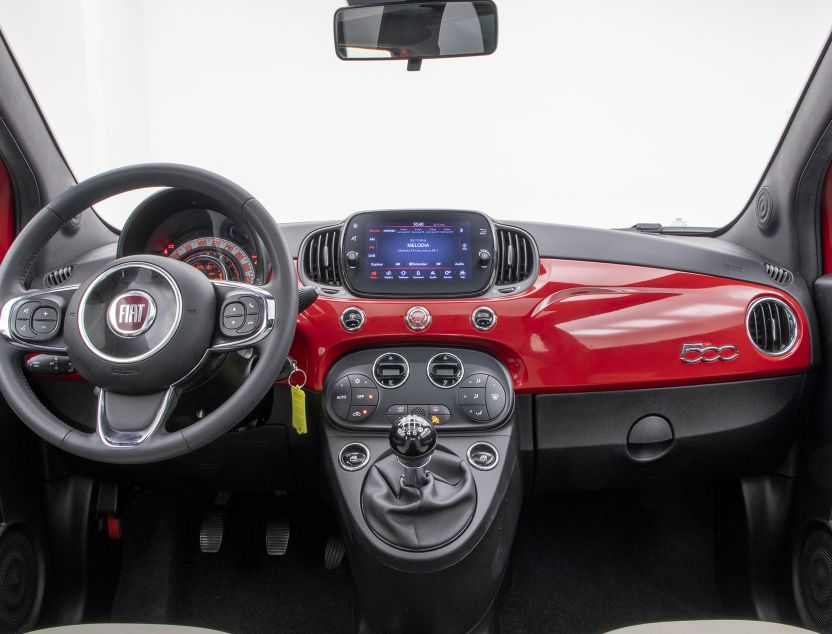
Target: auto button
(341, 398)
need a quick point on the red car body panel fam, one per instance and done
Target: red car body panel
(582, 326)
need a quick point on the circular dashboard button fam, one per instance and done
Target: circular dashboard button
(352, 319)
(483, 456)
(483, 318)
(417, 318)
(354, 456)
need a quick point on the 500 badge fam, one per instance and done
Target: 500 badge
(697, 352)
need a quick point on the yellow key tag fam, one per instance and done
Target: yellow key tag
(298, 409)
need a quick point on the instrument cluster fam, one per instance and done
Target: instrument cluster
(181, 225)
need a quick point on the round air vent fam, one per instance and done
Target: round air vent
(391, 370)
(445, 370)
(772, 326)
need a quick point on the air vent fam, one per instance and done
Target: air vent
(445, 370)
(516, 259)
(320, 257)
(58, 277)
(778, 273)
(772, 326)
(391, 370)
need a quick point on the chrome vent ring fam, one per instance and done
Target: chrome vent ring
(772, 326)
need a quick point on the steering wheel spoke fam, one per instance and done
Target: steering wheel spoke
(33, 321)
(246, 315)
(128, 420)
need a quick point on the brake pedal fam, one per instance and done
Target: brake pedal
(277, 536)
(213, 525)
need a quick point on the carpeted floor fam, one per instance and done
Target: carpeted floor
(591, 562)
(582, 564)
(166, 579)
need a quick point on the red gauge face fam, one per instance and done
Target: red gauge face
(217, 258)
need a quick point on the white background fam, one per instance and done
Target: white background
(595, 112)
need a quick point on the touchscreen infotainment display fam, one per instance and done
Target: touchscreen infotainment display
(418, 251)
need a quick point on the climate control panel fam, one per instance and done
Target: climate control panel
(450, 387)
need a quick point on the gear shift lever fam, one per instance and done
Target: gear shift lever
(413, 440)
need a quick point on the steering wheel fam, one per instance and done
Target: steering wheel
(142, 327)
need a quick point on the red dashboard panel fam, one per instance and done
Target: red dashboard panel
(582, 326)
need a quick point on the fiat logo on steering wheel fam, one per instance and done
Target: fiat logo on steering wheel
(132, 313)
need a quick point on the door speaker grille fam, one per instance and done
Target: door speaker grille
(19, 581)
(815, 577)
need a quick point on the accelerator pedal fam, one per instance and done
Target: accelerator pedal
(334, 552)
(213, 524)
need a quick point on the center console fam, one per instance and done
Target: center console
(422, 453)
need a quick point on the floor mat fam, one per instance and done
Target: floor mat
(165, 578)
(592, 562)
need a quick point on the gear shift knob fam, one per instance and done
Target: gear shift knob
(413, 440)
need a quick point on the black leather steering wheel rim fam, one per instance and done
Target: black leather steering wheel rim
(273, 348)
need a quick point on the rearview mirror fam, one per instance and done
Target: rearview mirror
(416, 31)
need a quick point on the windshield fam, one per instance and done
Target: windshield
(603, 113)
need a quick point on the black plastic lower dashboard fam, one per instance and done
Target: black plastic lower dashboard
(454, 388)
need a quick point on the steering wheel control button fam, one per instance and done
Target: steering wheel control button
(495, 397)
(483, 318)
(27, 310)
(44, 327)
(354, 456)
(445, 370)
(233, 323)
(341, 397)
(23, 329)
(249, 325)
(418, 318)
(471, 396)
(483, 456)
(391, 370)
(477, 413)
(234, 309)
(357, 414)
(36, 320)
(352, 319)
(241, 315)
(251, 305)
(46, 313)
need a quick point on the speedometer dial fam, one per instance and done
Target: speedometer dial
(217, 258)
